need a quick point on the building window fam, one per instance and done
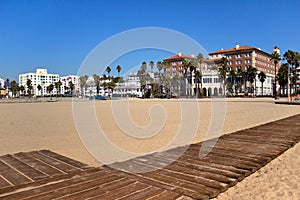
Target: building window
(229, 56)
(247, 54)
(238, 56)
(238, 62)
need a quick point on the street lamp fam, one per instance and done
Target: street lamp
(276, 50)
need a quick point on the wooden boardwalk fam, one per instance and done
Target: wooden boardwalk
(47, 175)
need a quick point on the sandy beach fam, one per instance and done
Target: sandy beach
(50, 125)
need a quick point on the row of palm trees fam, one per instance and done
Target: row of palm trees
(235, 80)
(108, 82)
(16, 89)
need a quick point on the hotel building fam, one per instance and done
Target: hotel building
(211, 83)
(40, 77)
(241, 57)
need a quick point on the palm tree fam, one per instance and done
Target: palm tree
(58, 84)
(232, 75)
(50, 89)
(29, 87)
(144, 66)
(71, 86)
(108, 70)
(262, 77)
(198, 78)
(97, 82)
(82, 81)
(151, 64)
(22, 89)
(282, 76)
(118, 68)
(251, 72)
(7, 85)
(39, 87)
(275, 57)
(223, 71)
(13, 87)
(159, 67)
(191, 68)
(239, 79)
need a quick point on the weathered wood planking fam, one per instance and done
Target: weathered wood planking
(230, 158)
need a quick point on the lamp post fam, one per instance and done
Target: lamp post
(276, 59)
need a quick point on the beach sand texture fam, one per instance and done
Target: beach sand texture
(34, 126)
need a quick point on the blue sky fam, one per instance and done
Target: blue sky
(59, 34)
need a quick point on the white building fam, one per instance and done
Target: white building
(66, 80)
(40, 77)
(130, 87)
(1, 83)
(212, 84)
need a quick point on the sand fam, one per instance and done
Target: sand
(50, 125)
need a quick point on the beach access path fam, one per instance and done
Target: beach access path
(232, 157)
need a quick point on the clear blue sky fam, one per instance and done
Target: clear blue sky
(59, 34)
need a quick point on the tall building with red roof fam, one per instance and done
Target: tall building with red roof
(176, 64)
(242, 57)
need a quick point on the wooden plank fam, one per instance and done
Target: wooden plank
(37, 164)
(207, 178)
(23, 167)
(221, 154)
(12, 175)
(192, 159)
(171, 171)
(164, 185)
(98, 190)
(4, 183)
(165, 195)
(144, 194)
(53, 162)
(66, 190)
(187, 188)
(122, 192)
(52, 186)
(62, 158)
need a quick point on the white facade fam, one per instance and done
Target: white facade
(1, 83)
(65, 80)
(212, 84)
(131, 87)
(40, 77)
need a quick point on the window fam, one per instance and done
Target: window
(248, 61)
(238, 62)
(207, 80)
(247, 54)
(238, 55)
(229, 56)
(217, 80)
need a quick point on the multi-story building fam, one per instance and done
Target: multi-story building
(176, 64)
(211, 83)
(241, 57)
(40, 77)
(130, 87)
(66, 82)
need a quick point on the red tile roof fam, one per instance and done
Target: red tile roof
(182, 56)
(241, 48)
